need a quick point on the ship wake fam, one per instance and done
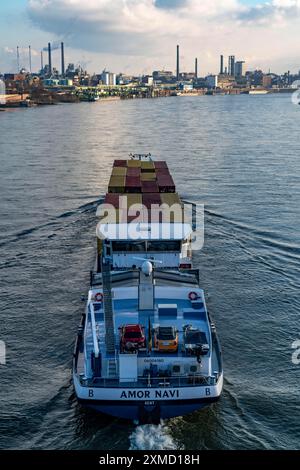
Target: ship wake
(152, 437)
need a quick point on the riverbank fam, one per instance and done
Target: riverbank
(49, 96)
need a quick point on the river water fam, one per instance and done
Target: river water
(240, 156)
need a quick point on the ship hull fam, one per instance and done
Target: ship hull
(136, 411)
(151, 411)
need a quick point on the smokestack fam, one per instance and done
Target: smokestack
(49, 59)
(30, 68)
(231, 65)
(177, 64)
(196, 68)
(221, 64)
(18, 60)
(62, 59)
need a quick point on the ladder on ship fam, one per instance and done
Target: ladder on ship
(112, 368)
(108, 308)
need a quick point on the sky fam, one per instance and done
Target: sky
(139, 36)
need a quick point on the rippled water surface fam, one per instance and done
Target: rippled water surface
(240, 156)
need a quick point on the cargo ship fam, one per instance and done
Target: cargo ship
(146, 348)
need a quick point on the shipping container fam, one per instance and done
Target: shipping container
(160, 165)
(113, 199)
(133, 164)
(166, 184)
(120, 163)
(116, 184)
(119, 171)
(131, 199)
(133, 172)
(133, 184)
(162, 171)
(170, 198)
(150, 187)
(150, 199)
(148, 176)
(147, 166)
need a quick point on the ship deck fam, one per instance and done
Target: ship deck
(127, 312)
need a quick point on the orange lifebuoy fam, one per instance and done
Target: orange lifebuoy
(99, 297)
(193, 296)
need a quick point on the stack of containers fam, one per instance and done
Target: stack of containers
(141, 182)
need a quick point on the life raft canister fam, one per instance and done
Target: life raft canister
(99, 297)
(193, 296)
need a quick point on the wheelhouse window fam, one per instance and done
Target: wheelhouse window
(164, 245)
(132, 246)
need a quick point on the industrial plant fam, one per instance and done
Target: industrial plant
(72, 83)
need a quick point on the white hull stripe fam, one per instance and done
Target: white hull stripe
(147, 394)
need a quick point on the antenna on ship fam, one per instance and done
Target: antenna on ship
(140, 156)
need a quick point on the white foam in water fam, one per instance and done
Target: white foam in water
(151, 437)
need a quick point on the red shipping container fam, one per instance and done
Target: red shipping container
(151, 198)
(134, 172)
(162, 171)
(122, 163)
(150, 187)
(165, 180)
(132, 184)
(160, 165)
(113, 199)
(166, 184)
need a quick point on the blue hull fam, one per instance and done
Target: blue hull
(137, 411)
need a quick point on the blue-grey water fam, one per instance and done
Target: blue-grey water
(240, 156)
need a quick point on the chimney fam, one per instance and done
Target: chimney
(62, 59)
(177, 64)
(18, 59)
(49, 59)
(221, 64)
(30, 66)
(196, 68)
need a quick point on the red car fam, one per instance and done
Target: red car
(132, 338)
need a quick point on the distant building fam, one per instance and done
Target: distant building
(108, 78)
(231, 65)
(226, 81)
(186, 86)
(187, 76)
(66, 82)
(147, 80)
(239, 68)
(212, 81)
(70, 70)
(267, 81)
(162, 75)
(51, 82)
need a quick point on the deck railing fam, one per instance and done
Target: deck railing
(150, 382)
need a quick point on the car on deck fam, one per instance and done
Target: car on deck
(166, 339)
(132, 338)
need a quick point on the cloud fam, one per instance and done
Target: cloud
(274, 12)
(151, 28)
(8, 58)
(170, 3)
